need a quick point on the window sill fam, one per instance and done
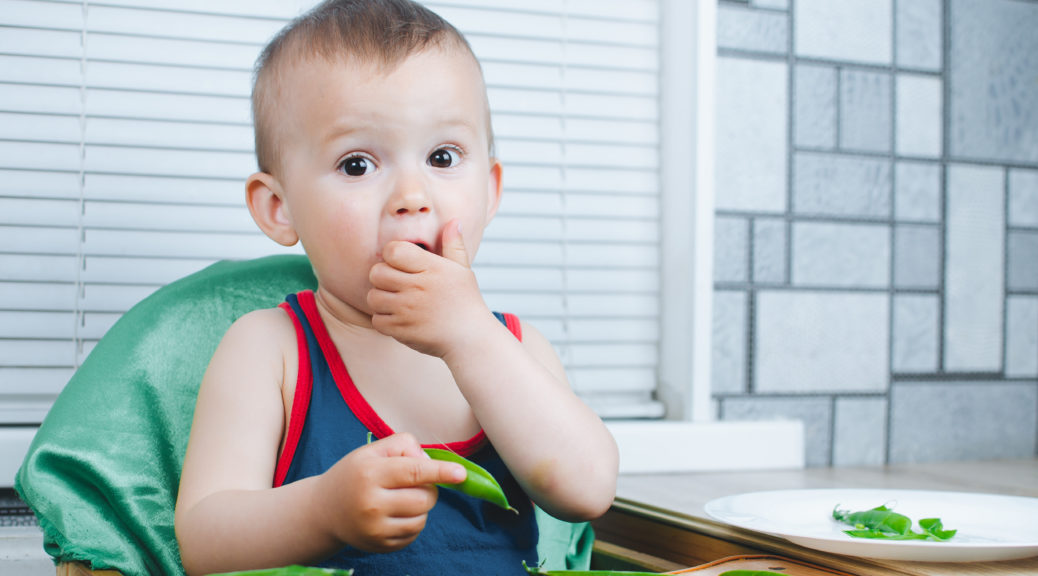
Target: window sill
(669, 446)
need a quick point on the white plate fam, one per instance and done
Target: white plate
(990, 527)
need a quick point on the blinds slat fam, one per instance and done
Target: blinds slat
(36, 184)
(617, 281)
(34, 212)
(278, 9)
(30, 42)
(36, 296)
(618, 256)
(22, 352)
(614, 330)
(40, 99)
(37, 267)
(503, 279)
(38, 240)
(210, 245)
(167, 218)
(34, 70)
(613, 380)
(501, 253)
(164, 190)
(154, 162)
(185, 25)
(39, 128)
(36, 324)
(39, 156)
(159, 106)
(173, 79)
(173, 51)
(147, 271)
(22, 381)
(101, 298)
(160, 134)
(50, 15)
(612, 206)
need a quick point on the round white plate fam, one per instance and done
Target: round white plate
(990, 527)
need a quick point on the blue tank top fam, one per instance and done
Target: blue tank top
(330, 418)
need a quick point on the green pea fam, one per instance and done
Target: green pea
(478, 482)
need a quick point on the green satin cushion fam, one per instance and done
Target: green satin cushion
(101, 474)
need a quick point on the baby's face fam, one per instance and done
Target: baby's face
(370, 157)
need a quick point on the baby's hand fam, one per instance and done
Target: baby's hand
(381, 493)
(427, 302)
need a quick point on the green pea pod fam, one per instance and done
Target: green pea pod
(880, 523)
(291, 571)
(935, 529)
(478, 482)
(538, 571)
(880, 518)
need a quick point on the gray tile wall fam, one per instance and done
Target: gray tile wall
(877, 225)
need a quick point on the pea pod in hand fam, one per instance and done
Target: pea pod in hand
(478, 482)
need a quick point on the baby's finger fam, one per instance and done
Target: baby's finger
(454, 244)
(405, 256)
(400, 532)
(394, 534)
(421, 471)
(402, 444)
(413, 502)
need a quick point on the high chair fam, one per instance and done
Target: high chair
(102, 473)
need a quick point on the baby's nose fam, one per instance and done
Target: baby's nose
(410, 198)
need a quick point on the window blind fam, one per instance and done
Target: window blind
(125, 138)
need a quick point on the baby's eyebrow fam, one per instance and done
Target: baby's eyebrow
(340, 129)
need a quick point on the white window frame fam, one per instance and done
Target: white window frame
(690, 439)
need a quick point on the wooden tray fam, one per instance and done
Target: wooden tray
(772, 563)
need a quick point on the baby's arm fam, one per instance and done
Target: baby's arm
(557, 447)
(228, 516)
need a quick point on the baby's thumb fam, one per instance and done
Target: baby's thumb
(454, 244)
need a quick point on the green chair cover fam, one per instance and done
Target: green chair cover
(102, 473)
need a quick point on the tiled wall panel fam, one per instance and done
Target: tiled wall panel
(880, 283)
(974, 280)
(962, 420)
(813, 341)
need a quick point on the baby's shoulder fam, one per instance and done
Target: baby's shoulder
(264, 328)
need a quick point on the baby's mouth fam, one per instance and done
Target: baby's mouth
(423, 246)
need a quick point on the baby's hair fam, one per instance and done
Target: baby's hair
(381, 32)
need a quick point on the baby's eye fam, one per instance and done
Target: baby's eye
(355, 166)
(443, 158)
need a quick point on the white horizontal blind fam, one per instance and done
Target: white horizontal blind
(125, 138)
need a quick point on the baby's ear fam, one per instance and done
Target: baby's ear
(266, 203)
(494, 187)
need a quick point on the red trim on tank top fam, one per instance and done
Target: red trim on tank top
(513, 324)
(348, 389)
(300, 401)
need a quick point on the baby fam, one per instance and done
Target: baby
(374, 145)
